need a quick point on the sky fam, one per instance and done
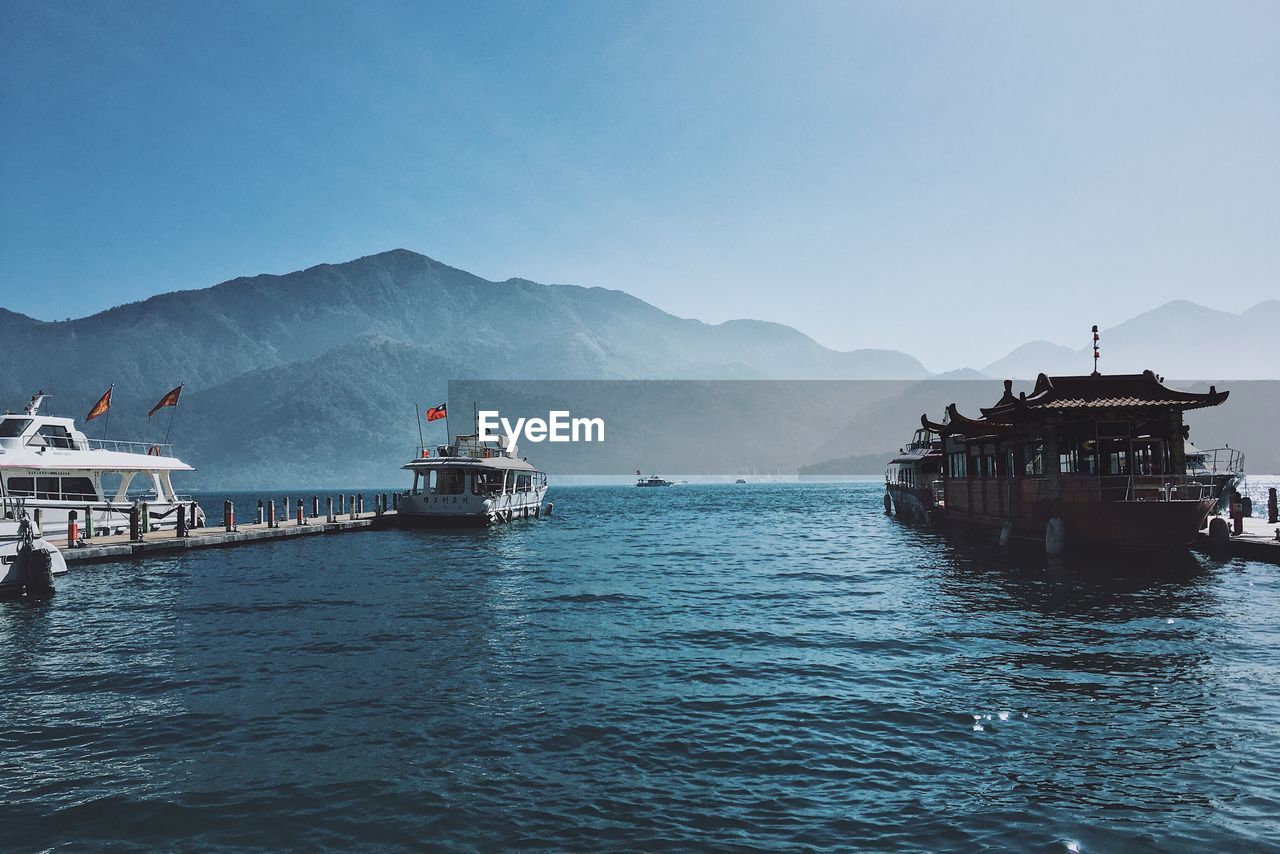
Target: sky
(947, 179)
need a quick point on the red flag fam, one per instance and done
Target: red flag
(170, 399)
(103, 404)
(435, 413)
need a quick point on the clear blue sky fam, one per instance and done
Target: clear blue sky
(947, 179)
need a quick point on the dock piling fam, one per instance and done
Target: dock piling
(35, 519)
(262, 516)
(271, 513)
(135, 523)
(88, 522)
(180, 523)
(359, 503)
(1273, 512)
(328, 509)
(342, 504)
(146, 517)
(228, 516)
(315, 507)
(300, 518)
(395, 501)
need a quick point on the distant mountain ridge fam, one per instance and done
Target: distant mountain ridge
(1179, 339)
(316, 370)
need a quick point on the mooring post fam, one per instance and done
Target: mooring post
(384, 502)
(180, 523)
(360, 503)
(135, 523)
(228, 516)
(73, 528)
(262, 514)
(395, 501)
(315, 507)
(353, 507)
(300, 517)
(88, 522)
(342, 504)
(35, 520)
(146, 518)
(328, 509)
(271, 513)
(192, 524)
(1273, 511)
(284, 509)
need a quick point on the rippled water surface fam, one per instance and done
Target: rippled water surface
(701, 666)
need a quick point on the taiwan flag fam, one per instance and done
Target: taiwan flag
(435, 413)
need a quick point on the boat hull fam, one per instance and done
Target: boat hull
(468, 511)
(1129, 524)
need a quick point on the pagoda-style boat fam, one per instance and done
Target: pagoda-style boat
(1084, 460)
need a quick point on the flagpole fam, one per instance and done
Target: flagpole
(422, 443)
(172, 415)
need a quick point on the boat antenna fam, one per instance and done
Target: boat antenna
(422, 443)
(1095, 351)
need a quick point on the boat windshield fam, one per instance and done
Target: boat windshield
(11, 427)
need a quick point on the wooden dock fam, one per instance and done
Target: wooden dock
(1258, 542)
(120, 547)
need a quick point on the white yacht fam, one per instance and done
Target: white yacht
(471, 483)
(47, 465)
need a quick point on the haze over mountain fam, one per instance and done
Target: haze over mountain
(1179, 340)
(314, 371)
(312, 377)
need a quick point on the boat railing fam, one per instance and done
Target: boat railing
(462, 448)
(152, 449)
(1119, 488)
(1223, 460)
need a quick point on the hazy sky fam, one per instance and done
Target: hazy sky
(949, 179)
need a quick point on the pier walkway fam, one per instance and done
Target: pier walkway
(120, 547)
(1258, 542)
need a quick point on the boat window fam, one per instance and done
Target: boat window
(11, 427)
(47, 488)
(1069, 462)
(523, 482)
(486, 482)
(56, 436)
(430, 478)
(22, 487)
(111, 484)
(452, 482)
(1035, 462)
(78, 489)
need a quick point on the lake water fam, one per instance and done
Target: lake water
(700, 666)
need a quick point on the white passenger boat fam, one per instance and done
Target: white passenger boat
(49, 466)
(471, 483)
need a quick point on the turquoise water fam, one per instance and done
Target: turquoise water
(702, 666)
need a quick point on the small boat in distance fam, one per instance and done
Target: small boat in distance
(741, 480)
(651, 480)
(471, 483)
(911, 484)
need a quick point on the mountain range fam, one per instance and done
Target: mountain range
(310, 377)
